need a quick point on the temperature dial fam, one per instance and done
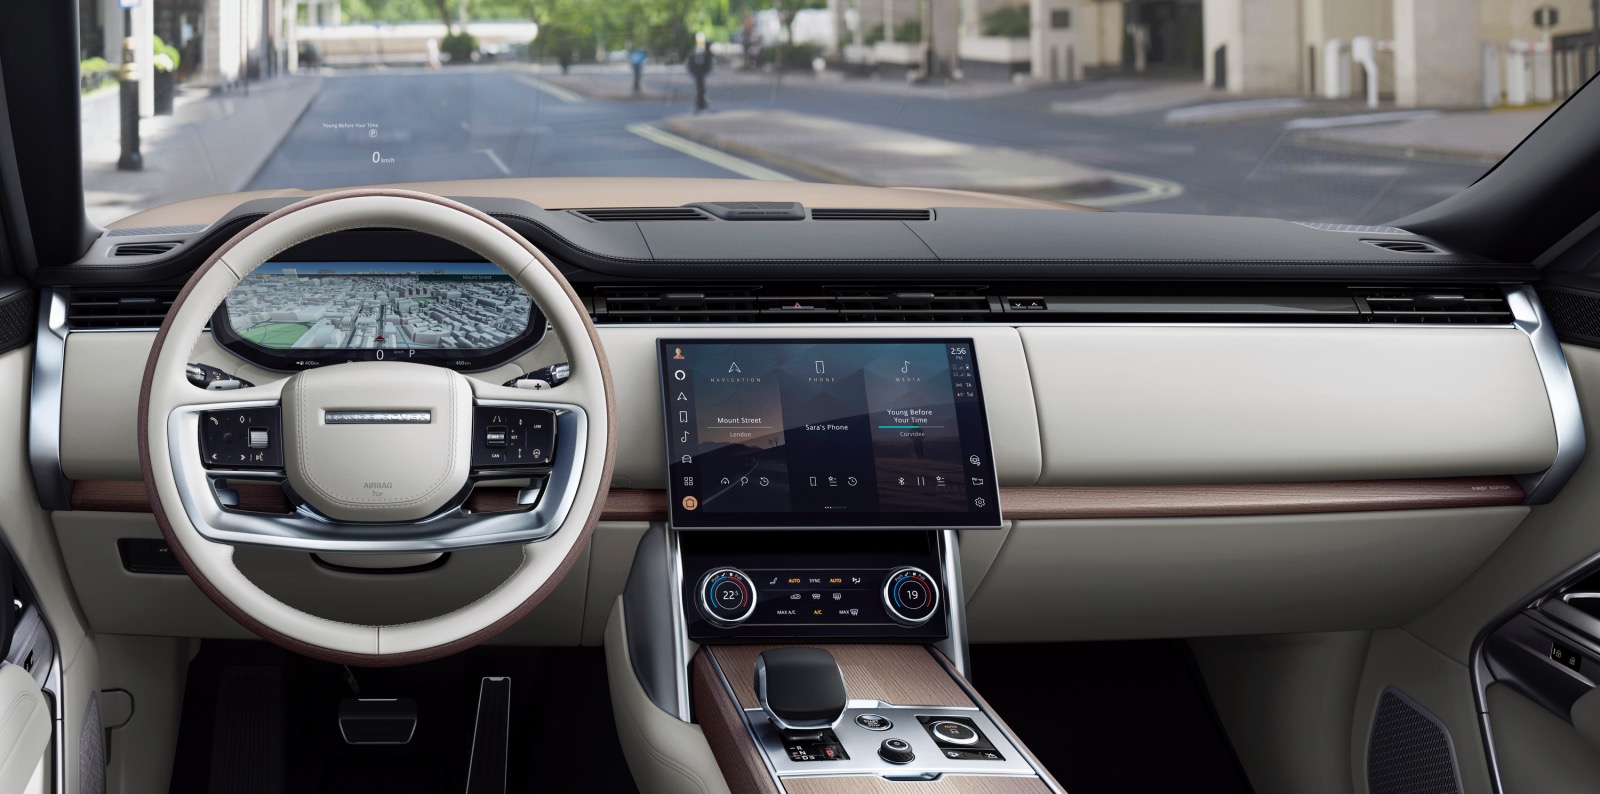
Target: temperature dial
(726, 597)
(910, 596)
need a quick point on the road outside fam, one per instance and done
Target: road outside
(1149, 144)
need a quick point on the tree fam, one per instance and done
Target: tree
(787, 10)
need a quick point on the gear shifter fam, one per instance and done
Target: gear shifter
(801, 689)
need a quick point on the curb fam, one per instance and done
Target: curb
(823, 172)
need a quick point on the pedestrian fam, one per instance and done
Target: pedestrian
(636, 60)
(700, 68)
(564, 54)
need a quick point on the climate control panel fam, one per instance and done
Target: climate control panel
(835, 585)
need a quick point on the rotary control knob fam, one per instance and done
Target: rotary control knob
(896, 751)
(910, 596)
(726, 597)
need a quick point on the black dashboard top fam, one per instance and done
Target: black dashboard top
(949, 243)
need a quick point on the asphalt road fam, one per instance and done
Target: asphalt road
(403, 126)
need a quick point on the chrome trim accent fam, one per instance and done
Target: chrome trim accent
(705, 607)
(1529, 317)
(680, 630)
(307, 530)
(862, 744)
(954, 645)
(888, 597)
(44, 402)
(377, 417)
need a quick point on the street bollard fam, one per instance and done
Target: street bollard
(130, 159)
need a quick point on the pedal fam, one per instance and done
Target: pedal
(491, 738)
(377, 720)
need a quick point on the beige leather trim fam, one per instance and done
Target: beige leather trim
(582, 192)
(665, 755)
(1124, 405)
(1057, 581)
(24, 727)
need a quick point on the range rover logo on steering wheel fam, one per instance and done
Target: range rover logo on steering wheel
(377, 417)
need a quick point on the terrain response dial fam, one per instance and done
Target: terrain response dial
(726, 597)
(910, 596)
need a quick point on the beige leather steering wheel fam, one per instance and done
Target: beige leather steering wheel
(366, 483)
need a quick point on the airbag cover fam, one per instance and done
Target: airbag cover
(385, 462)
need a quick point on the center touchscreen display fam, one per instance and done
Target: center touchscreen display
(835, 433)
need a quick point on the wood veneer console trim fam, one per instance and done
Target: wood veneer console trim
(946, 784)
(1059, 503)
(723, 726)
(899, 674)
(911, 675)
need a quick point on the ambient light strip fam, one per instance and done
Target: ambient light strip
(1042, 503)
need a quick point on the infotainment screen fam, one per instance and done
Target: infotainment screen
(826, 433)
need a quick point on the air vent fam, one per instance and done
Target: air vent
(143, 249)
(1405, 246)
(636, 214)
(1440, 306)
(796, 304)
(870, 215)
(129, 308)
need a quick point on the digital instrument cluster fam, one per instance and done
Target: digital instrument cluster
(299, 315)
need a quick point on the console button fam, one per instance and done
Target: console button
(910, 596)
(949, 732)
(726, 597)
(896, 751)
(874, 722)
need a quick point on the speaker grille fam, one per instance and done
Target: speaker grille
(16, 320)
(1409, 751)
(1575, 313)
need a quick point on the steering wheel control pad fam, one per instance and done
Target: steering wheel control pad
(375, 441)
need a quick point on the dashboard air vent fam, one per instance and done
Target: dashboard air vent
(1442, 306)
(826, 214)
(636, 214)
(123, 308)
(143, 249)
(1405, 246)
(789, 304)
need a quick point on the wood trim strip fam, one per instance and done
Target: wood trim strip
(913, 675)
(737, 755)
(901, 674)
(946, 784)
(1072, 502)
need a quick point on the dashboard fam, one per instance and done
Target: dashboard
(293, 315)
(1125, 403)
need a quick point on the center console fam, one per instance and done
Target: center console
(815, 489)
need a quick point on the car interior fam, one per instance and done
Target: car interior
(710, 485)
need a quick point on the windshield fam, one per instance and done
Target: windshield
(1353, 112)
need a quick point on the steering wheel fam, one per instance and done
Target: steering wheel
(375, 456)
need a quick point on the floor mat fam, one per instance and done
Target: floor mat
(233, 742)
(1109, 717)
